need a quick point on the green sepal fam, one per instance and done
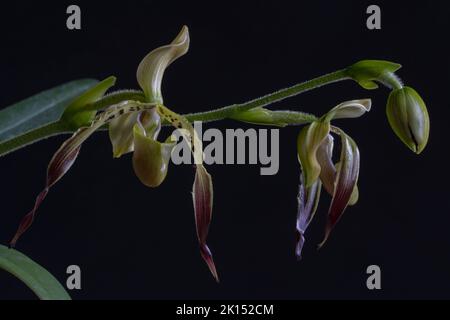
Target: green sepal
(366, 72)
(75, 116)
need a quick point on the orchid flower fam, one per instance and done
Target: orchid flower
(315, 151)
(134, 127)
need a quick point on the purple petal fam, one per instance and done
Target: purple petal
(346, 179)
(203, 200)
(308, 199)
(61, 162)
(325, 159)
(66, 155)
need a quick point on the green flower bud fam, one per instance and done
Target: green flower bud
(408, 117)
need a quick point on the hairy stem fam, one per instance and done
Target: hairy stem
(229, 111)
(32, 136)
(289, 117)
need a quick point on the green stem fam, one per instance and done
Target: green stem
(32, 136)
(115, 98)
(229, 111)
(290, 117)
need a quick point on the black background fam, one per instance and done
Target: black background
(136, 243)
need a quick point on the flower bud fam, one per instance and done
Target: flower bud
(408, 117)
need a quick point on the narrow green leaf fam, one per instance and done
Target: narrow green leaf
(40, 110)
(43, 284)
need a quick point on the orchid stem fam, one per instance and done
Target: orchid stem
(32, 136)
(229, 111)
(289, 117)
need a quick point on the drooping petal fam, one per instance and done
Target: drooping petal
(308, 200)
(308, 141)
(349, 109)
(61, 162)
(325, 160)
(346, 179)
(354, 197)
(202, 190)
(150, 157)
(151, 70)
(203, 203)
(65, 157)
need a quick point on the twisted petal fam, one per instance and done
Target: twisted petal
(202, 189)
(65, 157)
(346, 179)
(324, 158)
(203, 203)
(308, 199)
(151, 70)
(308, 142)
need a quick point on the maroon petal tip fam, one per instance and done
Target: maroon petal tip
(28, 219)
(207, 256)
(299, 246)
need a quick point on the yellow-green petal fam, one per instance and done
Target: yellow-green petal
(309, 140)
(151, 69)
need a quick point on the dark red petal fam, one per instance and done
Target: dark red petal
(66, 155)
(203, 199)
(61, 162)
(327, 169)
(347, 177)
(307, 204)
(207, 256)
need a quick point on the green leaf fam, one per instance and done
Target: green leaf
(43, 284)
(40, 110)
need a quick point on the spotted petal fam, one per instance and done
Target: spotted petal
(202, 189)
